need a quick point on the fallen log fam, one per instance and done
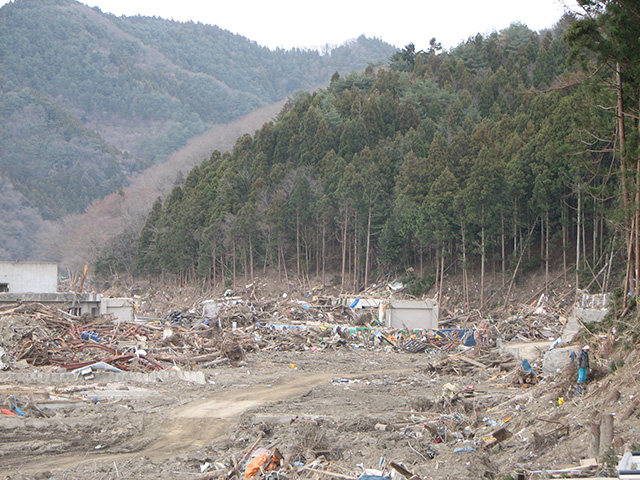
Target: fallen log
(473, 362)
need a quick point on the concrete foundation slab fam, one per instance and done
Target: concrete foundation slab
(530, 351)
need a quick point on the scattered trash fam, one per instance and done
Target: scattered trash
(468, 448)
(91, 336)
(262, 459)
(498, 436)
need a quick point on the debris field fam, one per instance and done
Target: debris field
(304, 389)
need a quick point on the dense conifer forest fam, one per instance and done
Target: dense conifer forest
(501, 155)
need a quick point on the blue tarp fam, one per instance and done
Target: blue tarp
(466, 336)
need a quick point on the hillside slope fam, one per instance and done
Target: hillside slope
(461, 160)
(88, 99)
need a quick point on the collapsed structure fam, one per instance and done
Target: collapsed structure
(37, 282)
(468, 395)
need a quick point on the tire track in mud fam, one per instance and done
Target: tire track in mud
(203, 422)
(191, 425)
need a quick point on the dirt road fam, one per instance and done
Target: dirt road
(343, 409)
(179, 419)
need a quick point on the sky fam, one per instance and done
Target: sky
(295, 23)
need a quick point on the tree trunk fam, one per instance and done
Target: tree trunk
(546, 272)
(606, 433)
(629, 411)
(564, 241)
(234, 263)
(515, 270)
(324, 233)
(483, 259)
(344, 248)
(465, 272)
(245, 267)
(213, 262)
(284, 264)
(578, 220)
(355, 253)
(251, 258)
(636, 242)
(594, 439)
(515, 229)
(613, 398)
(267, 251)
(623, 178)
(542, 237)
(441, 274)
(366, 257)
(438, 273)
(627, 283)
(279, 264)
(504, 258)
(316, 249)
(298, 243)
(594, 236)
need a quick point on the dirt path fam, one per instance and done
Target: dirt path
(188, 426)
(205, 421)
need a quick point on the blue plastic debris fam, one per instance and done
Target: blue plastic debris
(463, 450)
(90, 336)
(527, 366)
(466, 336)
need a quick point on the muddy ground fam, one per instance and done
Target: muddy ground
(332, 410)
(338, 410)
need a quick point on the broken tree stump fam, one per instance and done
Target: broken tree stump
(594, 439)
(612, 398)
(629, 411)
(606, 432)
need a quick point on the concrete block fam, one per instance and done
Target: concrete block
(581, 315)
(530, 351)
(589, 315)
(557, 359)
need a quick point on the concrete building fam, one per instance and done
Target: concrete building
(27, 282)
(28, 277)
(121, 309)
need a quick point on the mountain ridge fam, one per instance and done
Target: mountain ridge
(89, 100)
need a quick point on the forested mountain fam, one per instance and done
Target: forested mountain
(89, 99)
(491, 156)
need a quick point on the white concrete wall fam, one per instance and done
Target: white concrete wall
(121, 308)
(29, 277)
(415, 314)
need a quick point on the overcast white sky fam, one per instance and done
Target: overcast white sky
(296, 23)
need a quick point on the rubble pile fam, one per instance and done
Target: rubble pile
(306, 387)
(43, 336)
